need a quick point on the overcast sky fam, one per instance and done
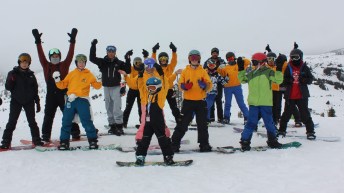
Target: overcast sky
(244, 26)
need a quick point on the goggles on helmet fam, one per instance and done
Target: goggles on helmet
(256, 62)
(163, 59)
(271, 59)
(229, 59)
(111, 49)
(138, 63)
(24, 58)
(194, 57)
(54, 51)
(152, 88)
(81, 58)
(295, 57)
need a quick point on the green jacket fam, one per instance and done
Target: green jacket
(259, 85)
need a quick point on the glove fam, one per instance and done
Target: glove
(37, 36)
(122, 91)
(128, 54)
(99, 77)
(156, 47)
(57, 76)
(71, 97)
(145, 53)
(0, 101)
(186, 86)
(38, 107)
(94, 42)
(222, 66)
(224, 80)
(279, 62)
(267, 48)
(158, 69)
(173, 47)
(240, 63)
(72, 35)
(202, 84)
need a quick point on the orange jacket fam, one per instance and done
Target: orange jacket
(232, 72)
(193, 75)
(79, 82)
(275, 86)
(169, 69)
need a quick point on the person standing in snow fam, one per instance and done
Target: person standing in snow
(78, 83)
(109, 67)
(259, 98)
(154, 90)
(55, 97)
(195, 82)
(233, 87)
(22, 84)
(168, 69)
(296, 78)
(219, 61)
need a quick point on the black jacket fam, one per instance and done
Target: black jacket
(305, 73)
(22, 85)
(109, 69)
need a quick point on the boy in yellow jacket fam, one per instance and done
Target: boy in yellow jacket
(154, 91)
(78, 83)
(195, 82)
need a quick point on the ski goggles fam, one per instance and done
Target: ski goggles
(81, 58)
(138, 63)
(194, 57)
(163, 59)
(54, 51)
(229, 59)
(271, 59)
(211, 66)
(153, 88)
(24, 58)
(256, 62)
(111, 49)
(295, 57)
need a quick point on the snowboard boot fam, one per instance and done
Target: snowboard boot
(245, 145)
(225, 121)
(75, 131)
(281, 134)
(273, 143)
(5, 144)
(175, 147)
(311, 136)
(169, 160)
(45, 140)
(120, 128)
(113, 130)
(93, 143)
(64, 145)
(205, 148)
(298, 124)
(37, 142)
(140, 160)
(125, 125)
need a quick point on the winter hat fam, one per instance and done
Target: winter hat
(215, 50)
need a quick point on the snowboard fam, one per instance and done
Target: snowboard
(318, 138)
(150, 148)
(53, 141)
(230, 149)
(154, 163)
(240, 130)
(83, 148)
(24, 147)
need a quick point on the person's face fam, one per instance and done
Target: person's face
(194, 59)
(24, 64)
(214, 55)
(111, 54)
(55, 56)
(81, 65)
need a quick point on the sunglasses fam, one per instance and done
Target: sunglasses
(111, 49)
(271, 59)
(194, 58)
(163, 59)
(295, 57)
(54, 51)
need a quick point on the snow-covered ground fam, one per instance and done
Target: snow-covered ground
(314, 167)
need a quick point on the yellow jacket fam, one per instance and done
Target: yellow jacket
(169, 69)
(275, 86)
(78, 82)
(193, 75)
(232, 72)
(144, 94)
(131, 81)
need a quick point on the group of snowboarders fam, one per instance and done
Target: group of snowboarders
(151, 81)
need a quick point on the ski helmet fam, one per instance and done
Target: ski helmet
(138, 65)
(215, 50)
(258, 58)
(153, 84)
(230, 54)
(271, 54)
(111, 48)
(149, 62)
(24, 57)
(194, 53)
(54, 51)
(296, 53)
(80, 57)
(163, 56)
